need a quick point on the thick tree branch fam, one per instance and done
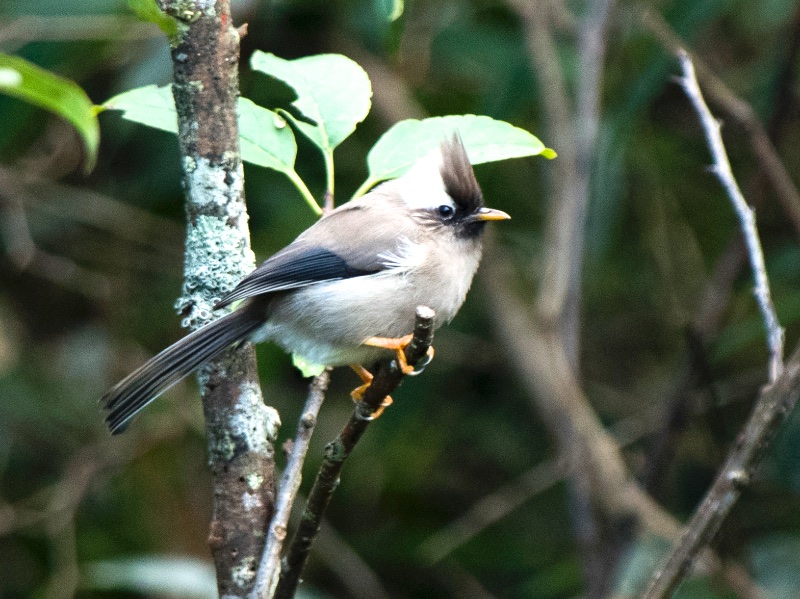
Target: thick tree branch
(240, 427)
(386, 380)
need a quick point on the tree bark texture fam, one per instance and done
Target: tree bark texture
(240, 428)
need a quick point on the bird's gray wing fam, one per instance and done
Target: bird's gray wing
(327, 251)
(293, 269)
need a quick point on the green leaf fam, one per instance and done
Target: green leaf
(332, 91)
(306, 368)
(21, 79)
(265, 138)
(150, 105)
(486, 140)
(148, 10)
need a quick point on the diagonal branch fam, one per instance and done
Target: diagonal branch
(746, 215)
(269, 570)
(386, 380)
(586, 446)
(773, 407)
(720, 94)
(774, 403)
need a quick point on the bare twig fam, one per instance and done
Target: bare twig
(741, 111)
(704, 325)
(386, 380)
(574, 133)
(498, 504)
(746, 215)
(26, 255)
(586, 446)
(774, 405)
(269, 570)
(557, 301)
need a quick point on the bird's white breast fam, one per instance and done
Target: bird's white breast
(326, 323)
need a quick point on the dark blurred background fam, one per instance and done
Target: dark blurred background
(672, 350)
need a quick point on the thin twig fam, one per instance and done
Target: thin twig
(386, 380)
(746, 215)
(564, 227)
(774, 405)
(775, 401)
(721, 95)
(542, 368)
(269, 570)
(498, 504)
(26, 256)
(715, 299)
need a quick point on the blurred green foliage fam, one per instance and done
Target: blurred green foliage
(90, 267)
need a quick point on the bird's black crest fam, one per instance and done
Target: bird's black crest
(459, 179)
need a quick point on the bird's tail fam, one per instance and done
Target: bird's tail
(128, 397)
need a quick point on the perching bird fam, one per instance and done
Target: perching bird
(345, 291)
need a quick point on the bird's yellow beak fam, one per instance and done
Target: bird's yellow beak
(491, 214)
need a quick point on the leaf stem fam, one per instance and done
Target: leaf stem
(364, 187)
(304, 191)
(328, 154)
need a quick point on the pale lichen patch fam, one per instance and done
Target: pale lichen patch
(217, 258)
(252, 421)
(251, 501)
(244, 573)
(255, 480)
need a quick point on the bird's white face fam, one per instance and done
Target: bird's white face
(422, 186)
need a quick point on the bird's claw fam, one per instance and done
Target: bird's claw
(358, 393)
(423, 364)
(374, 414)
(399, 345)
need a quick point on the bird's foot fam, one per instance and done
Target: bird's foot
(398, 345)
(423, 364)
(358, 393)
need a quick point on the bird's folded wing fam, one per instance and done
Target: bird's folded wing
(292, 268)
(339, 246)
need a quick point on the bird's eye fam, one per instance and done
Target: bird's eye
(445, 211)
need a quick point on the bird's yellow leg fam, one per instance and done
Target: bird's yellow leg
(358, 393)
(397, 345)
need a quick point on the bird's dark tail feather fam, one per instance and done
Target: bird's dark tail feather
(128, 397)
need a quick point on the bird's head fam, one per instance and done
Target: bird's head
(442, 191)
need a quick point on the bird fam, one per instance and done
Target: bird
(344, 292)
